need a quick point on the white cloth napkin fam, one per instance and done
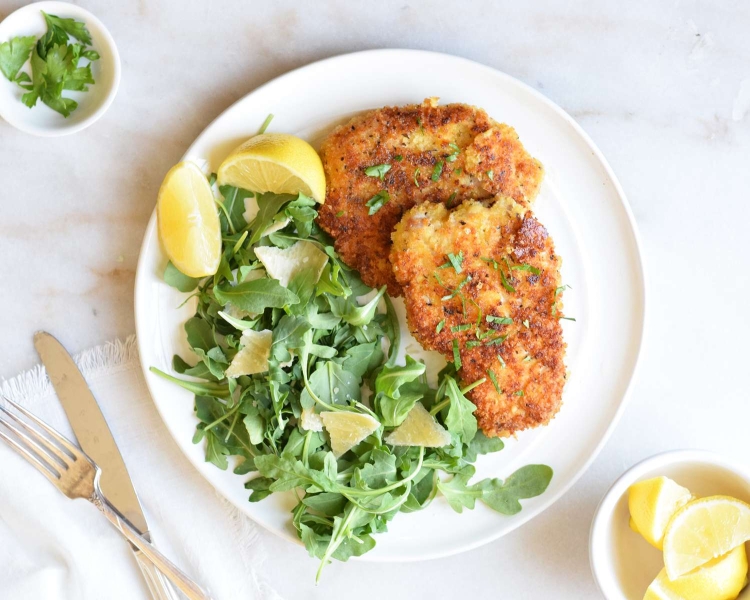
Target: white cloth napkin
(53, 548)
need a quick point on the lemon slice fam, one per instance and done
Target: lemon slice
(419, 429)
(275, 162)
(719, 579)
(188, 221)
(652, 503)
(347, 429)
(703, 530)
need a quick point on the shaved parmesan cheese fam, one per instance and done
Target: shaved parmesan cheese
(284, 264)
(419, 429)
(347, 429)
(309, 420)
(253, 356)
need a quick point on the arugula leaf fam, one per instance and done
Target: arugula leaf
(269, 205)
(289, 474)
(362, 315)
(174, 277)
(14, 54)
(234, 205)
(460, 419)
(528, 482)
(481, 444)
(392, 377)
(255, 296)
(332, 385)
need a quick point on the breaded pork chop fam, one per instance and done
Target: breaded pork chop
(488, 279)
(438, 153)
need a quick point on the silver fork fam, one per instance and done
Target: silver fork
(76, 476)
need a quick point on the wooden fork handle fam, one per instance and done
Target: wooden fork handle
(180, 580)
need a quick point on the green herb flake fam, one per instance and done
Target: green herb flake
(493, 379)
(525, 267)
(456, 355)
(519, 393)
(265, 124)
(450, 200)
(567, 318)
(505, 282)
(526, 323)
(501, 361)
(416, 177)
(454, 155)
(378, 171)
(377, 201)
(527, 358)
(457, 261)
(473, 344)
(398, 158)
(457, 171)
(340, 213)
(499, 320)
(496, 341)
(491, 175)
(464, 327)
(437, 170)
(440, 326)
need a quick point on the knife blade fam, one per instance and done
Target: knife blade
(96, 440)
(90, 427)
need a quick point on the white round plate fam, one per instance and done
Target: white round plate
(581, 204)
(42, 120)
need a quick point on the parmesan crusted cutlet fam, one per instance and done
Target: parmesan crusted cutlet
(443, 154)
(488, 281)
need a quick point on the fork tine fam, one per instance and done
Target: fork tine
(45, 469)
(40, 440)
(73, 450)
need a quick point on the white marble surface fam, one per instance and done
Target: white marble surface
(662, 87)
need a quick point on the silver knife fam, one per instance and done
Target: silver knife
(96, 440)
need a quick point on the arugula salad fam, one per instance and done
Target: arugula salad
(296, 380)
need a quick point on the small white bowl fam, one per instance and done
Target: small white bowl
(623, 563)
(42, 120)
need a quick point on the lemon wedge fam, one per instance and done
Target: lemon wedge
(275, 162)
(652, 503)
(719, 579)
(703, 530)
(347, 429)
(419, 429)
(188, 221)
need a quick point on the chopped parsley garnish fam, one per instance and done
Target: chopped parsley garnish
(265, 124)
(456, 151)
(456, 355)
(419, 122)
(527, 358)
(437, 170)
(567, 318)
(416, 177)
(502, 362)
(398, 158)
(499, 320)
(519, 393)
(473, 344)
(378, 171)
(526, 323)
(493, 379)
(457, 171)
(525, 267)
(506, 285)
(561, 289)
(449, 202)
(341, 213)
(458, 289)
(491, 174)
(440, 326)
(464, 327)
(496, 341)
(377, 201)
(491, 261)
(457, 261)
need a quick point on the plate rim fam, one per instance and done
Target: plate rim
(639, 263)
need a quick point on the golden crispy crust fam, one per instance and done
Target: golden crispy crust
(415, 139)
(531, 375)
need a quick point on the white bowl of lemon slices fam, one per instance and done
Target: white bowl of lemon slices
(674, 527)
